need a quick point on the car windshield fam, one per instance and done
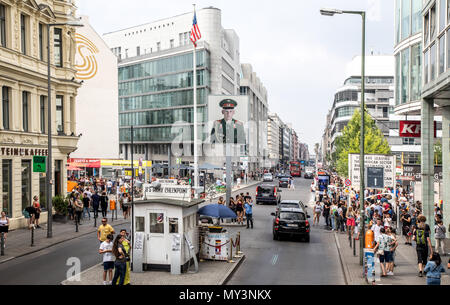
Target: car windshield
(292, 216)
(264, 190)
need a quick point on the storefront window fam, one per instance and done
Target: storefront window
(433, 62)
(416, 16)
(442, 54)
(416, 72)
(7, 187)
(43, 191)
(26, 183)
(157, 223)
(58, 177)
(173, 225)
(405, 77)
(406, 14)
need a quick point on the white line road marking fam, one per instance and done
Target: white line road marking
(274, 259)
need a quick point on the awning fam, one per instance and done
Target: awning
(209, 166)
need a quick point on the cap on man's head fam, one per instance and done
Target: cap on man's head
(228, 104)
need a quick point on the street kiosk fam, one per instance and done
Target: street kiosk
(166, 233)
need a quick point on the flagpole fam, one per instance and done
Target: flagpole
(196, 184)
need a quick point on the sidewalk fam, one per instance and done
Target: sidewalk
(18, 242)
(209, 273)
(405, 272)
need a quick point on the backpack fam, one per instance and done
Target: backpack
(420, 237)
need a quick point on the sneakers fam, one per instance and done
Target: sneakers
(420, 274)
(390, 273)
(105, 283)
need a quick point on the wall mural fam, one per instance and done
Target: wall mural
(86, 51)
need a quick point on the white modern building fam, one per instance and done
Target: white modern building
(156, 79)
(379, 100)
(97, 101)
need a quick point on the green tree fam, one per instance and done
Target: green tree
(349, 142)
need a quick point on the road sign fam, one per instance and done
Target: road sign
(348, 182)
(39, 164)
(375, 177)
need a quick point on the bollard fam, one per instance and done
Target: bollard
(116, 214)
(76, 223)
(2, 244)
(354, 248)
(239, 244)
(230, 260)
(32, 236)
(95, 221)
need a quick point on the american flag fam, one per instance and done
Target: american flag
(195, 32)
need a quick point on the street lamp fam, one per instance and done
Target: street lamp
(332, 12)
(49, 131)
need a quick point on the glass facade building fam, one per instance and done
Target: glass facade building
(408, 71)
(158, 92)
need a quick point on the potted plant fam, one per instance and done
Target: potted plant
(60, 205)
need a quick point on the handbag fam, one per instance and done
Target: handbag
(380, 252)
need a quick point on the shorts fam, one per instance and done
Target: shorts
(388, 257)
(108, 266)
(125, 208)
(239, 209)
(422, 255)
(37, 215)
(4, 229)
(351, 222)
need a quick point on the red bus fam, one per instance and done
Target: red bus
(295, 169)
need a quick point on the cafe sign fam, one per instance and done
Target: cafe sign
(23, 152)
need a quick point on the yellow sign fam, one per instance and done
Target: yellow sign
(125, 163)
(86, 50)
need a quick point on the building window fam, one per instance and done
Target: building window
(158, 46)
(42, 191)
(442, 13)
(426, 29)
(25, 107)
(416, 72)
(138, 51)
(5, 107)
(433, 22)
(58, 177)
(23, 33)
(157, 223)
(7, 187)
(42, 112)
(397, 79)
(41, 41)
(426, 66)
(171, 43)
(406, 14)
(59, 114)
(58, 47)
(433, 62)
(416, 16)
(397, 20)
(442, 54)
(408, 141)
(2, 25)
(448, 48)
(405, 76)
(26, 183)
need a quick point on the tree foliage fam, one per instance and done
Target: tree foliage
(349, 142)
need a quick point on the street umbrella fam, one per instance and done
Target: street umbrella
(217, 211)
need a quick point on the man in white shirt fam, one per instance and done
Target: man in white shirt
(376, 229)
(108, 259)
(109, 186)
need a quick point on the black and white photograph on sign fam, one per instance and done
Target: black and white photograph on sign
(375, 177)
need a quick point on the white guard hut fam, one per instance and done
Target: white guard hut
(165, 225)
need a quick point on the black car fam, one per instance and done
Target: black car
(292, 222)
(267, 193)
(284, 182)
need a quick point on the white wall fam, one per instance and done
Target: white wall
(97, 100)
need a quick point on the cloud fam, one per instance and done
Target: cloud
(374, 10)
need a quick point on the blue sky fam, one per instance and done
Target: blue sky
(299, 55)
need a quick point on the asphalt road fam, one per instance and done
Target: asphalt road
(268, 262)
(285, 262)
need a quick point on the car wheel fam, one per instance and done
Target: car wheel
(307, 238)
(275, 236)
(257, 202)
